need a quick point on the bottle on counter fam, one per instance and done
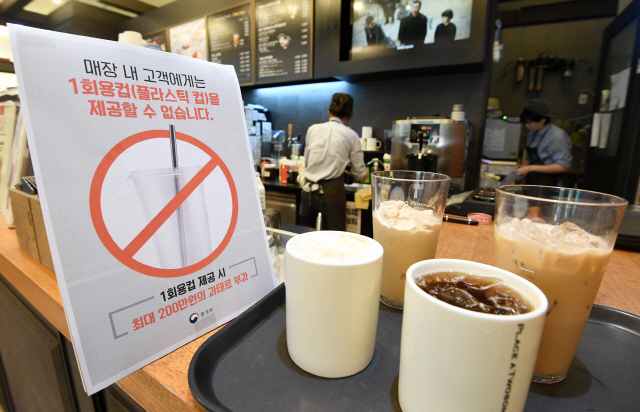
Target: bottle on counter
(262, 165)
(269, 171)
(386, 159)
(261, 192)
(301, 164)
(283, 170)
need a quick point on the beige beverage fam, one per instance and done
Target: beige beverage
(407, 236)
(333, 293)
(567, 264)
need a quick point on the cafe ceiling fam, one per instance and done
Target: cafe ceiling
(36, 11)
(42, 13)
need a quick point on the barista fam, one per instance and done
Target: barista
(548, 146)
(330, 147)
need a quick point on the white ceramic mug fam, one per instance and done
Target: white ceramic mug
(373, 143)
(367, 132)
(333, 287)
(454, 359)
(363, 143)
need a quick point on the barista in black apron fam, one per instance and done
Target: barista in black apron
(548, 147)
(329, 148)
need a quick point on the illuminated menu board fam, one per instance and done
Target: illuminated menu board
(284, 30)
(230, 40)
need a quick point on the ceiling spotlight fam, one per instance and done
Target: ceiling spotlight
(358, 5)
(56, 1)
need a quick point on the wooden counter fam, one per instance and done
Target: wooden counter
(163, 385)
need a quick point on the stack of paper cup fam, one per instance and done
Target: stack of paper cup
(458, 112)
(131, 37)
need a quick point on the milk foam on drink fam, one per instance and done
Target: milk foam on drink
(335, 248)
(333, 290)
(567, 264)
(407, 236)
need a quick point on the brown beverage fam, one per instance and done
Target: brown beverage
(567, 264)
(476, 293)
(407, 236)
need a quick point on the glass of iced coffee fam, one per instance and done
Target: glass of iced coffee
(407, 215)
(559, 239)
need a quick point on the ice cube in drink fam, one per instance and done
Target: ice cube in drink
(476, 293)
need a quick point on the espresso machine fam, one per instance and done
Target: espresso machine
(443, 148)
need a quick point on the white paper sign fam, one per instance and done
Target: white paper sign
(595, 130)
(619, 87)
(7, 124)
(494, 139)
(605, 127)
(149, 254)
(354, 218)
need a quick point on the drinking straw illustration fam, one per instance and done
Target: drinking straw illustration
(176, 181)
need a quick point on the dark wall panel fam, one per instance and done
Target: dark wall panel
(571, 40)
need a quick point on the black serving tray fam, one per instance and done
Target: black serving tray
(246, 367)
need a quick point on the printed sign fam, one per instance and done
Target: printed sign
(149, 198)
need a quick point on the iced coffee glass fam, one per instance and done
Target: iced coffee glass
(407, 215)
(561, 240)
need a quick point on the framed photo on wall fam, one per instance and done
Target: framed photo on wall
(189, 39)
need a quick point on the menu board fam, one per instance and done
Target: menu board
(230, 40)
(284, 30)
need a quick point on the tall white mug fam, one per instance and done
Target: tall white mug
(333, 288)
(458, 360)
(367, 132)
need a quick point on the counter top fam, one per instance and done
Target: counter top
(277, 185)
(163, 385)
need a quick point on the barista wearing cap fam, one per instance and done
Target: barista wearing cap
(548, 146)
(330, 147)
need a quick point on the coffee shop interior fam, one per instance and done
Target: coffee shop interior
(450, 108)
(564, 52)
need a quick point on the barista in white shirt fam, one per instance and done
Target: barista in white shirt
(330, 148)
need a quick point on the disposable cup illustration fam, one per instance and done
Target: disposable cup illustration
(183, 239)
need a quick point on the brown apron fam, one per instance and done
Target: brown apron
(336, 203)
